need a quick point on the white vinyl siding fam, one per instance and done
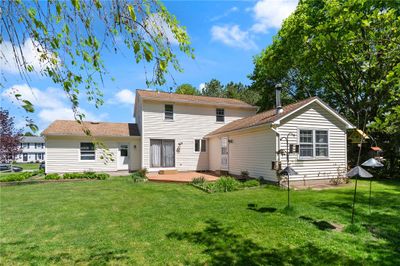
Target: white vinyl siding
(251, 150)
(190, 122)
(63, 155)
(316, 118)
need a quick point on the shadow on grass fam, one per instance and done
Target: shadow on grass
(253, 207)
(321, 225)
(225, 247)
(383, 221)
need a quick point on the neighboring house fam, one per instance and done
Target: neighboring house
(186, 132)
(32, 150)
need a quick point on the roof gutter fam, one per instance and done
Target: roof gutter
(236, 130)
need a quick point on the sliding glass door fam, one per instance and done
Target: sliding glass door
(162, 153)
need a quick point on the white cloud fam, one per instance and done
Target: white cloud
(31, 52)
(51, 104)
(49, 98)
(225, 14)
(271, 13)
(47, 116)
(233, 36)
(202, 86)
(156, 25)
(124, 96)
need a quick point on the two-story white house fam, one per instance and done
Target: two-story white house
(197, 133)
(32, 149)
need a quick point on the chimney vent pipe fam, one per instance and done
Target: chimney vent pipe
(278, 89)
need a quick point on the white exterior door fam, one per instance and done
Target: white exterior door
(123, 156)
(224, 154)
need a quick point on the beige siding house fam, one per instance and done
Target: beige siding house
(197, 133)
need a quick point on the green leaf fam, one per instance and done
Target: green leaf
(132, 12)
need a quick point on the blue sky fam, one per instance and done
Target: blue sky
(225, 35)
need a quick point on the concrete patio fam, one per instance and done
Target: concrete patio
(181, 177)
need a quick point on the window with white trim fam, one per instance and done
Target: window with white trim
(88, 152)
(169, 112)
(321, 143)
(200, 145)
(313, 143)
(220, 115)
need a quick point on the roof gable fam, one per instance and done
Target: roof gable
(271, 117)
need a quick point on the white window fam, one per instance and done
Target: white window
(220, 115)
(169, 112)
(87, 151)
(313, 143)
(200, 145)
(321, 143)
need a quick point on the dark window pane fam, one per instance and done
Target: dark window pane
(196, 145)
(220, 115)
(169, 112)
(203, 145)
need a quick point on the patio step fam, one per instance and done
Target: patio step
(168, 172)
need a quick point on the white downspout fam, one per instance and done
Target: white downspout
(277, 154)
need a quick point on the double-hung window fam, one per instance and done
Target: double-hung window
(200, 145)
(169, 112)
(313, 144)
(88, 152)
(220, 115)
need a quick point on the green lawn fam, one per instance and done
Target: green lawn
(121, 222)
(28, 166)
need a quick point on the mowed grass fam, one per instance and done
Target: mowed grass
(28, 166)
(120, 222)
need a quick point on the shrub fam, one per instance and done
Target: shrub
(54, 176)
(199, 181)
(225, 184)
(17, 176)
(142, 172)
(86, 175)
(138, 177)
(251, 183)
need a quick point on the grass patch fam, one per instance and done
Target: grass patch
(28, 166)
(223, 184)
(119, 222)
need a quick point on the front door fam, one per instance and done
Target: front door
(224, 154)
(123, 156)
(25, 157)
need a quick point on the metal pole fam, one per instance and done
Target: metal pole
(354, 201)
(288, 175)
(369, 202)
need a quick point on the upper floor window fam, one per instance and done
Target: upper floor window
(313, 143)
(200, 145)
(87, 151)
(220, 115)
(169, 112)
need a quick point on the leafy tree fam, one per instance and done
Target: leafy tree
(70, 37)
(29, 134)
(213, 88)
(241, 92)
(10, 138)
(345, 51)
(187, 89)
